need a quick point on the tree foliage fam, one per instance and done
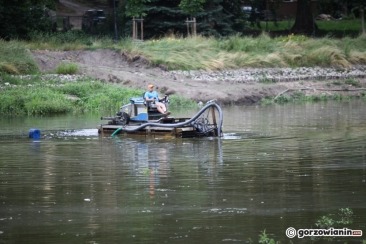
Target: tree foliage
(163, 17)
(215, 20)
(135, 8)
(192, 7)
(238, 19)
(305, 23)
(360, 6)
(168, 17)
(18, 18)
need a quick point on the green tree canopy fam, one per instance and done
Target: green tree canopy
(167, 17)
(135, 8)
(20, 17)
(192, 7)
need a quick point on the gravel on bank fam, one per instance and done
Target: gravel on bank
(241, 76)
(253, 75)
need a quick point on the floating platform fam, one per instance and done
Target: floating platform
(152, 131)
(133, 119)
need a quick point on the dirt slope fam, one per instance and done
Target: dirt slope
(111, 66)
(115, 67)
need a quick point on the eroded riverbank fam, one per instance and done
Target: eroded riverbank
(244, 86)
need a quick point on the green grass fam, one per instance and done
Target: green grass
(300, 97)
(35, 96)
(30, 101)
(51, 97)
(67, 68)
(197, 52)
(263, 51)
(16, 59)
(70, 40)
(343, 27)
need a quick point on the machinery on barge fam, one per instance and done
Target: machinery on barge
(142, 118)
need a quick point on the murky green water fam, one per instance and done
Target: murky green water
(276, 167)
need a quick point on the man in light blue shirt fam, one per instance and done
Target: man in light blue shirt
(153, 96)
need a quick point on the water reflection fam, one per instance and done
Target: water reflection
(150, 160)
(275, 167)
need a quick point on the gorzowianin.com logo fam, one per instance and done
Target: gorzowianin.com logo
(301, 233)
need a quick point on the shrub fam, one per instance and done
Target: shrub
(352, 82)
(67, 68)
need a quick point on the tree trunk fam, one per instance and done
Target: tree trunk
(304, 23)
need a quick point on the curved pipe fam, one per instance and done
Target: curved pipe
(116, 131)
(212, 104)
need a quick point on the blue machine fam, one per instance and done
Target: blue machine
(137, 111)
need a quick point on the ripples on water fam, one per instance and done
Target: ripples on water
(275, 167)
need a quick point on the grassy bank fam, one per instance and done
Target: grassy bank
(340, 28)
(203, 52)
(16, 59)
(301, 97)
(263, 51)
(36, 95)
(209, 53)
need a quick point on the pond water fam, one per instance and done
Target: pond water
(276, 167)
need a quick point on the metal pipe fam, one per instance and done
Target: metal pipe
(107, 118)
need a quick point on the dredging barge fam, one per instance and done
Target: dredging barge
(141, 118)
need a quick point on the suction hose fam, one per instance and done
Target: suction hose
(116, 131)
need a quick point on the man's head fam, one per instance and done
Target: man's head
(150, 87)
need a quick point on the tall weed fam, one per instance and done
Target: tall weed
(70, 40)
(263, 51)
(198, 52)
(96, 96)
(67, 68)
(15, 58)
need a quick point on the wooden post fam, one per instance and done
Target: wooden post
(191, 27)
(187, 27)
(135, 31)
(142, 29)
(194, 27)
